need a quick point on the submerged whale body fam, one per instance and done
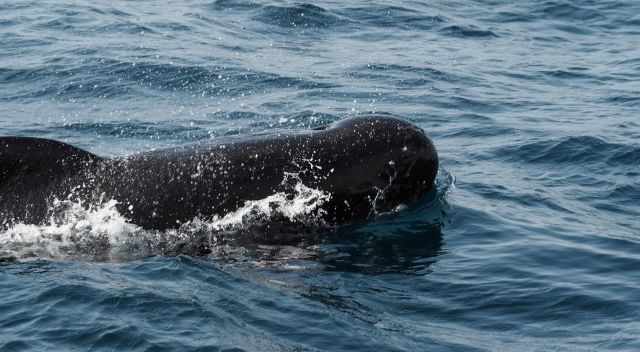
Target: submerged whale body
(366, 164)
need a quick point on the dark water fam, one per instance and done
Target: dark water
(534, 108)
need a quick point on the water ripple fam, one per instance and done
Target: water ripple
(575, 149)
(467, 32)
(112, 79)
(301, 15)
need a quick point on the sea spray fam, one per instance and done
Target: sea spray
(100, 232)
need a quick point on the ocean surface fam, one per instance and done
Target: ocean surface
(531, 242)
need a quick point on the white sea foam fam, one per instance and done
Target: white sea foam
(100, 232)
(302, 205)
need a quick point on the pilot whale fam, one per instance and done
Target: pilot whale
(367, 165)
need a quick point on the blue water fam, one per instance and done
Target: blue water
(533, 107)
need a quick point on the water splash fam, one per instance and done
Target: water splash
(72, 231)
(78, 231)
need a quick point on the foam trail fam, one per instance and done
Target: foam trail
(76, 231)
(73, 231)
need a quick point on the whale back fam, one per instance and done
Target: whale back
(366, 164)
(30, 168)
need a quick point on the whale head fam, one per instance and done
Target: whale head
(379, 163)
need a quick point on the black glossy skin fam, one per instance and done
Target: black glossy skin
(352, 159)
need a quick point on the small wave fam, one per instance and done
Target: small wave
(634, 21)
(7, 23)
(575, 17)
(15, 6)
(58, 24)
(59, 81)
(110, 11)
(106, 78)
(628, 192)
(171, 26)
(511, 17)
(565, 11)
(573, 29)
(568, 74)
(467, 32)
(298, 16)
(467, 104)
(135, 129)
(15, 44)
(393, 17)
(625, 100)
(580, 149)
(476, 118)
(84, 20)
(128, 27)
(400, 72)
(254, 123)
(222, 5)
(481, 132)
(519, 197)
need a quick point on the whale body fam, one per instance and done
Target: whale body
(366, 164)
